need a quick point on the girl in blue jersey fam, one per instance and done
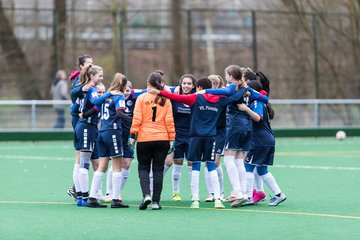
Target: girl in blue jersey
(110, 143)
(86, 129)
(130, 99)
(217, 82)
(262, 147)
(238, 136)
(83, 60)
(182, 117)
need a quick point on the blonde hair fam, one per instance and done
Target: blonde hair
(119, 82)
(217, 78)
(87, 72)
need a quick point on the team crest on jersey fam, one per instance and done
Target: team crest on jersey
(129, 103)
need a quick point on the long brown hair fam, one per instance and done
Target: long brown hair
(119, 82)
(85, 75)
(154, 79)
(235, 71)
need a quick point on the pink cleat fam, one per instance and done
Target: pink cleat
(258, 197)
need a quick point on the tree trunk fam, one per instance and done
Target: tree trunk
(22, 74)
(210, 43)
(177, 37)
(59, 36)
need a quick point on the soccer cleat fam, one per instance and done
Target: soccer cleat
(107, 198)
(219, 204)
(258, 197)
(83, 203)
(72, 193)
(195, 204)
(100, 197)
(93, 203)
(146, 201)
(239, 202)
(210, 198)
(233, 197)
(116, 203)
(156, 206)
(176, 197)
(277, 200)
(248, 202)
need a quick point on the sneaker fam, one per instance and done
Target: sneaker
(100, 197)
(156, 206)
(239, 202)
(72, 193)
(195, 204)
(107, 198)
(146, 201)
(219, 204)
(116, 203)
(248, 202)
(233, 197)
(277, 200)
(94, 203)
(259, 197)
(210, 198)
(176, 197)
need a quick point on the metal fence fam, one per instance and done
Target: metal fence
(289, 113)
(304, 56)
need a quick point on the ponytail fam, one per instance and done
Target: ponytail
(154, 79)
(264, 81)
(87, 71)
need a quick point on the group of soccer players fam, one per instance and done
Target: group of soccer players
(210, 119)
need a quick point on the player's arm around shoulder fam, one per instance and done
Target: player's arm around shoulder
(169, 120)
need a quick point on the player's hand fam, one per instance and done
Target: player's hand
(172, 147)
(153, 90)
(131, 142)
(200, 92)
(85, 87)
(242, 107)
(81, 115)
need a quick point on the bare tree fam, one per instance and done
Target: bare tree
(18, 66)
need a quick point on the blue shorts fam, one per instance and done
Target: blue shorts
(238, 139)
(110, 143)
(181, 146)
(128, 151)
(261, 155)
(201, 149)
(85, 137)
(220, 140)
(74, 120)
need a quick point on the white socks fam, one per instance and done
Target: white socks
(195, 175)
(242, 174)
(124, 177)
(258, 183)
(176, 177)
(166, 168)
(214, 181)
(249, 184)
(109, 181)
(271, 183)
(233, 173)
(116, 182)
(220, 174)
(208, 181)
(84, 180)
(76, 177)
(96, 183)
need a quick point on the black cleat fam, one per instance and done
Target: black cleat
(116, 203)
(72, 193)
(93, 203)
(146, 201)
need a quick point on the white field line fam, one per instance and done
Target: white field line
(49, 158)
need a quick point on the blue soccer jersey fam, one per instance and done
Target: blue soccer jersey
(262, 133)
(109, 119)
(182, 118)
(87, 103)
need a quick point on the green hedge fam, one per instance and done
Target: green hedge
(68, 135)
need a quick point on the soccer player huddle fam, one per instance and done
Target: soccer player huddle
(199, 120)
